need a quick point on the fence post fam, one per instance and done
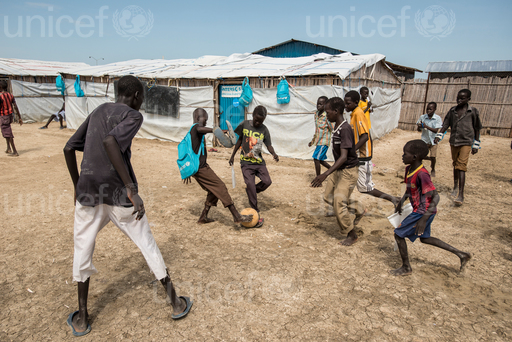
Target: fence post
(426, 93)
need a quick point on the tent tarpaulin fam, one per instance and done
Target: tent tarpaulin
(154, 126)
(27, 67)
(236, 65)
(292, 125)
(36, 101)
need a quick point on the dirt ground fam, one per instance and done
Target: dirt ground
(288, 280)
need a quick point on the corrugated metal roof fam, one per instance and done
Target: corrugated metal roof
(469, 66)
(299, 48)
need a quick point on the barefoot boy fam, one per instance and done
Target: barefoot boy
(424, 200)
(366, 105)
(344, 172)
(428, 125)
(60, 116)
(464, 121)
(106, 190)
(7, 104)
(205, 176)
(364, 147)
(252, 134)
(322, 137)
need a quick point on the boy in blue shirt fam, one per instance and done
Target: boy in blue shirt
(428, 125)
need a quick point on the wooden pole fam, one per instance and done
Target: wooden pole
(426, 93)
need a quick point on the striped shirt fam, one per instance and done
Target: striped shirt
(6, 101)
(360, 126)
(323, 129)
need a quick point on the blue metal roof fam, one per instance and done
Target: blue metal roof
(300, 48)
(296, 48)
(469, 66)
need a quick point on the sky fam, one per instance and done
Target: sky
(410, 33)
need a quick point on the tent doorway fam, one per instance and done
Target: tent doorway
(229, 108)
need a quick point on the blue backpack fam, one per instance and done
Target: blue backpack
(246, 96)
(188, 160)
(283, 92)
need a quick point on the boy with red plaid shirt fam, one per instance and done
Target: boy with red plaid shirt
(424, 199)
(7, 104)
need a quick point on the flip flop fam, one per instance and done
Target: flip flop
(184, 313)
(77, 333)
(260, 223)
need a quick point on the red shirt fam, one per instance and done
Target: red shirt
(6, 101)
(418, 184)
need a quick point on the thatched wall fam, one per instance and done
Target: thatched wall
(492, 96)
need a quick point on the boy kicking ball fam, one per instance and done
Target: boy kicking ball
(424, 200)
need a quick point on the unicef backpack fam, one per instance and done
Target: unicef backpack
(283, 92)
(188, 160)
(246, 96)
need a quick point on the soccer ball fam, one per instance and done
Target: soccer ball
(255, 217)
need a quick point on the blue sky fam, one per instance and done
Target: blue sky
(473, 30)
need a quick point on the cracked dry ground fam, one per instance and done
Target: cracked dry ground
(289, 280)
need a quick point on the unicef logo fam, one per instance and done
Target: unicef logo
(133, 22)
(435, 22)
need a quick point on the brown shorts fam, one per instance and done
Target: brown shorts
(460, 157)
(433, 150)
(5, 125)
(214, 186)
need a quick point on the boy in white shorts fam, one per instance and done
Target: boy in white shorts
(106, 190)
(364, 148)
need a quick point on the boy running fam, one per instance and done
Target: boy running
(322, 137)
(344, 173)
(205, 176)
(428, 125)
(464, 121)
(106, 190)
(252, 134)
(364, 147)
(7, 105)
(424, 199)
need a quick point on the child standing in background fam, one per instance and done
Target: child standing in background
(322, 137)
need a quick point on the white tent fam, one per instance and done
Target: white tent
(293, 122)
(33, 85)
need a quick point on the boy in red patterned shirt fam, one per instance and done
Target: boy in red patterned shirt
(424, 199)
(7, 104)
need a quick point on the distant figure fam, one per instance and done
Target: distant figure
(366, 105)
(7, 105)
(60, 116)
(424, 199)
(322, 137)
(429, 124)
(464, 121)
